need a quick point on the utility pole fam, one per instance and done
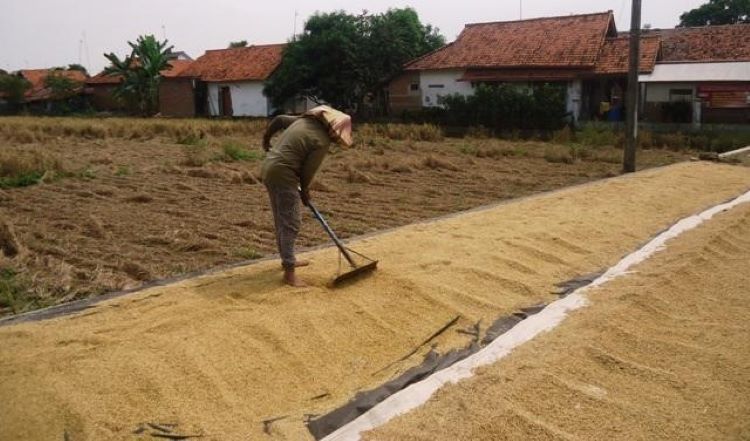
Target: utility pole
(631, 103)
(294, 34)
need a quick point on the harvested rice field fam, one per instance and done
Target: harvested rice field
(127, 201)
(234, 355)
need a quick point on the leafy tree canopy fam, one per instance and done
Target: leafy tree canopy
(60, 85)
(78, 67)
(718, 12)
(236, 44)
(13, 88)
(341, 58)
(141, 72)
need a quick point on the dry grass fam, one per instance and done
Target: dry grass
(29, 129)
(19, 168)
(368, 134)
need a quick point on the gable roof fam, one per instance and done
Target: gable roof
(177, 67)
(36, 77)
(615, 55)
(706, 43)
(252, 63)
(566, 41)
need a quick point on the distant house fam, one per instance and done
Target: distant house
(702, 76)
(101, 87)
(229, 82)
(584, 53)
(41, 98)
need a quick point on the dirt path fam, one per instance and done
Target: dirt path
(220, 354)
(663, 353)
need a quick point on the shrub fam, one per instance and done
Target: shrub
(599, 136)
(234, 152)
(506, 108)
(479, 132)
(673, 141)
(21, 169)
(248, 253)
(15, 294)
(563, 136)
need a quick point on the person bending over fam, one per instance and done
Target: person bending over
(289, 169)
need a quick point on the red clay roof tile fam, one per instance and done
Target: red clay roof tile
(704, 44)
(568, 41)
(37, 77)
(178, 66)
(615, 55)
(253, 63)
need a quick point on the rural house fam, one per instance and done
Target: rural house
(229, 82)
(40, 97)
(702, 76)
(100, 87)
(583, 52)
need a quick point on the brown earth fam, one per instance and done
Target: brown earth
(221, 354)
(663, 353)
(144, 209)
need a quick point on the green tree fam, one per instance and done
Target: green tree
(60, 85)
(13, 88)
(342, 58)
(717, 12)
(236, 44)
(141, 72)
(78, 67)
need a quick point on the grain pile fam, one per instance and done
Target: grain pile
(220, 355)
(663, 353)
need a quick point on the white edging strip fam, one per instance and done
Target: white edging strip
(418, 393)
(735, 152)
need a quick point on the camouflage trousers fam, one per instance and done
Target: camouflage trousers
(285, 203)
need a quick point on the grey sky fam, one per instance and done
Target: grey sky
(46, 33)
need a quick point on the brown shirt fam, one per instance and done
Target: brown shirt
(298, 153)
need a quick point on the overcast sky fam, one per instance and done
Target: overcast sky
(46, 33)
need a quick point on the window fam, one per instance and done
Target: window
(680, 95)
(436, 86)
(414, 87)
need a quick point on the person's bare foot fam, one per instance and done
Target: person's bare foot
(300, 263)
(291, 279)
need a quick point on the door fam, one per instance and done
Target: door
(225, 97)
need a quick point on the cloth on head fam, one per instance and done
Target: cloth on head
(339, 123)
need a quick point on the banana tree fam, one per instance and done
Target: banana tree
(141, 72)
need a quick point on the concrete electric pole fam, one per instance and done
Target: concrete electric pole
(631, 103)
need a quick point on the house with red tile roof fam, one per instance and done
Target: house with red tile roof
(587, 55)
(37, 78)
(229, 82)
(101, 86)
(39, 98)
(582, 52)
(702, 76)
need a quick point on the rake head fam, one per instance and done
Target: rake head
(354, 274)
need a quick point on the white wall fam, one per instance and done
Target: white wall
(659, 92)
(448, 79)
(247, 99)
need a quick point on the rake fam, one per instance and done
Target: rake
(356, 271)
